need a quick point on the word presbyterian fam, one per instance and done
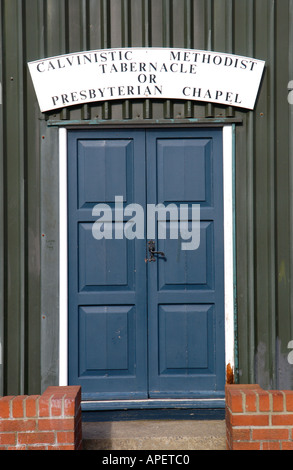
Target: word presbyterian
(105, 93)
(179, 223)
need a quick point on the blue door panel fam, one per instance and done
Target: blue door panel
(194, 325)
(112, 332)
(142, 329)
(107, 277)
(185, 288)
(177, 269)
(187, 180)
(104, 169)
(106, 263)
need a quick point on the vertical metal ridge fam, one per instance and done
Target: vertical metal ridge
(105, 44)
(85, 22)
(13, 197)
(272, 185)
(250, 34)
(44, 23)
(126, 42)
(209, 42)
(189, 43)
(147, 42)
(167, 42)
(65, 24)
(33, 44)
(64, 40)
(284, 377)
(188, 23)
(167, 23)
(2, 251)
(85, 40)
(290, 160)
(23, 198)
(230, 7)
(146, 23)
(265, 239)
(105, 24)
(5, 347)
(126, 23)
(56, 33)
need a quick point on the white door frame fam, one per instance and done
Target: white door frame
(229, 249)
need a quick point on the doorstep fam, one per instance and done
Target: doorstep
(155, 435)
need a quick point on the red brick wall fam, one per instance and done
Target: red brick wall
(51, 421)
(257, 419)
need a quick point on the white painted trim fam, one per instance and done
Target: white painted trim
(228, 251)
(63, 261)
(228, 242)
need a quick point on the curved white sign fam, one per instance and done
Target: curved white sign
(159, 73)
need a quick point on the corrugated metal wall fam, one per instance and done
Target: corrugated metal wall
(33, 29)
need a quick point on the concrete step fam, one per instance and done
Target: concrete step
(155, 435)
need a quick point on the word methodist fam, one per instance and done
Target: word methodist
(178, 221)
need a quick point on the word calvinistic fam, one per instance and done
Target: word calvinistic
(114, 62)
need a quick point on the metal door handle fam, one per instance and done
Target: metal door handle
(152, 251)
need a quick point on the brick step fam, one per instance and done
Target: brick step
(258, 419)
(51, 421)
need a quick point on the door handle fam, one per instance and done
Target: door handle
(152, 251)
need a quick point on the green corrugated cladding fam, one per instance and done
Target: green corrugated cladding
(33, 29)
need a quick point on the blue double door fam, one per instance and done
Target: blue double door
(146, 290)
